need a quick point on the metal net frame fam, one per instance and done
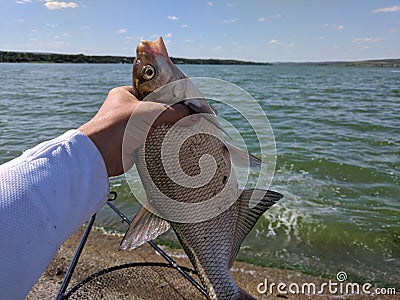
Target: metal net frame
(143, 280)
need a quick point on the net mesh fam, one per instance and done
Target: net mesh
(137, 281)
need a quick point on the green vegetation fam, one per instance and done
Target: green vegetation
(27, 57)
(377, 63)
(199, 61)
(384, 63)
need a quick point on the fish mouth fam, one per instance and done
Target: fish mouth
(154, 47)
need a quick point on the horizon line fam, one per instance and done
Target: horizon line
(218, 59)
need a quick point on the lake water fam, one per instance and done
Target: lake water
(337, 134)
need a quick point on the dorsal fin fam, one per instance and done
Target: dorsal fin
(144, 227)
(248, 216)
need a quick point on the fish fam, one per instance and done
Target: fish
(211, 216)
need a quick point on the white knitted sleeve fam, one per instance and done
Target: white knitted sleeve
(46, 194)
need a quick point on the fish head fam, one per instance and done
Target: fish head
(152, 68)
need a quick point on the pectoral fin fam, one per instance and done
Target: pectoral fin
(242, 158)
(144, 227)
(248, 216)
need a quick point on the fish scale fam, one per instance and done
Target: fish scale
(208, 254)
(158, 184)
(213, 256)
(210, 244)
(210, 217)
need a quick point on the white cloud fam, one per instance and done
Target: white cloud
(387, 9)
(23, 1)
(279, 44)
(173, 18)
(168, 35)
(185, 25)
(52, 5)
(333, 26)
(230, 21)
(210, 3)
(121, 31)
(394, 30)
(275, 43)
(270, 18)
(367, 40)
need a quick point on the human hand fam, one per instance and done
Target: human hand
(106, 129)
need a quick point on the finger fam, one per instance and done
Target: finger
(122, 94)
(127, 88)
(122, 90)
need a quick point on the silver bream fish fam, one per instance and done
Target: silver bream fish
(190, 185)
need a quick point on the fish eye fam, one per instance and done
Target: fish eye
(148, 72)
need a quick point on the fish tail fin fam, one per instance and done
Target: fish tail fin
(245, 296)
(249, 215)
(144, 227)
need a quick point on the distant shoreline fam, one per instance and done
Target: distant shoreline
(373, 63)
(33, 57)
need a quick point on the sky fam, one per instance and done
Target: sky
(264, 31)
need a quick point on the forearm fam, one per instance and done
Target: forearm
(46, 194)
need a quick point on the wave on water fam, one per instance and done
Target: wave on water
(337, 133)
(311, 229)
